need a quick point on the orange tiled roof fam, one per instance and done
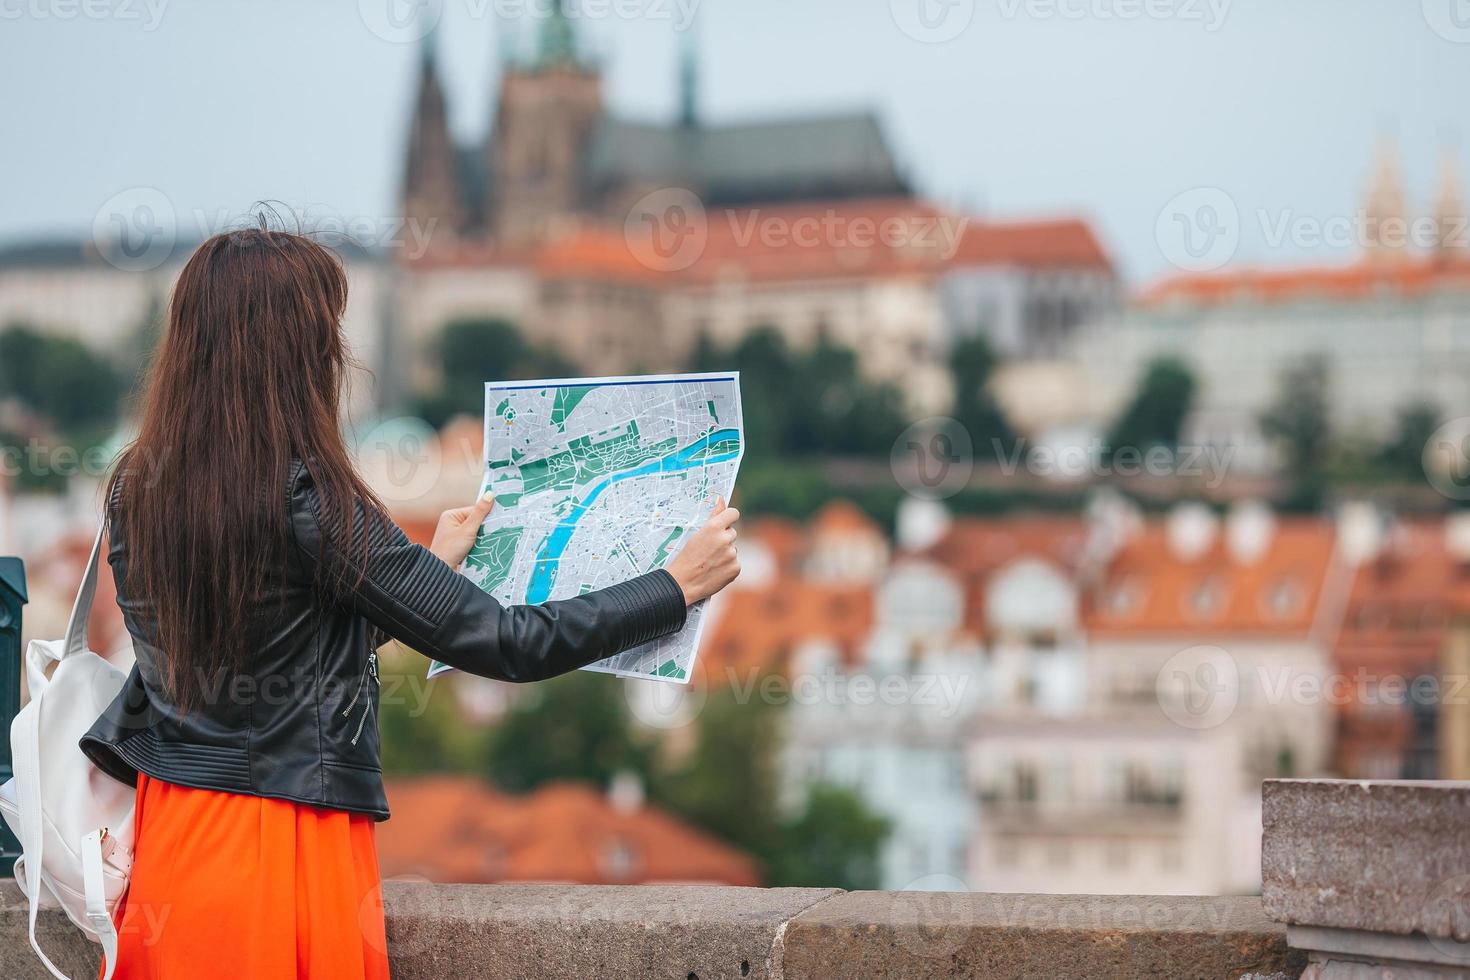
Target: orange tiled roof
(974, 549)
(1147, 588)
(1061, 242)
(1403, 600)
(843, 517)
(1411, 277)
(811, 240)
(783, 537)
(458, 829)
(592, 253)
(758, 629)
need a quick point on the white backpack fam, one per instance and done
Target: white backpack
(74, 822)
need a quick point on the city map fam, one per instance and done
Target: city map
(598, 480)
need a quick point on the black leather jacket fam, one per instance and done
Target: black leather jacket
(301, 723)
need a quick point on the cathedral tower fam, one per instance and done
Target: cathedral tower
(1452, 228)
(1386, 230)
(547, 114)
(431, 196)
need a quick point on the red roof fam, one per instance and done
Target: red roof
(1149, 588)
(1410, 277)
(873, 238)
(1058, 243)
(974, 549)
(457, 829)
(759, 629)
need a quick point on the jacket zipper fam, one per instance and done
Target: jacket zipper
(370, 669)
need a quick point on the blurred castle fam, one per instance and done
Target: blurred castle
(1390, 330)
(557, 157)
(806, 225)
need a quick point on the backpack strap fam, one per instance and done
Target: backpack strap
(25, 737)
(81, 611)
(97, 915)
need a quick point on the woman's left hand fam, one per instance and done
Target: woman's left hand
(458, 528)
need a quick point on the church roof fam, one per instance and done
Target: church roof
(829, 156)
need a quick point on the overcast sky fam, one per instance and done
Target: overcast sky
(1107, 108)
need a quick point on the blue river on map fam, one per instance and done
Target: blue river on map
(543, 578)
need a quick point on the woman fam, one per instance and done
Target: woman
(257, 576)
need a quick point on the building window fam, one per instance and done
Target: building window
(1284, 598)
(1026, 782)
(1208, 597)
(1121, 598)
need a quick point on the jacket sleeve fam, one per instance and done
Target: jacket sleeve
(413, 597)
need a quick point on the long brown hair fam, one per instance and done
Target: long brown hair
(247, 378)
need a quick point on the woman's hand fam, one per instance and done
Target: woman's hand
(455, 535)
(708, 562)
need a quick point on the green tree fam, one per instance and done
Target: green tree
(1298, 420)
(574, 727)
(1155, 416)
(834, 842)
(971, 364)
(421, 726)
(59, 378)
(1403, 455)
(728, 783)
(800, 403)
(728, 786)
(473, 351)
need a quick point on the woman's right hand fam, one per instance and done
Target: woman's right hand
(709, 561)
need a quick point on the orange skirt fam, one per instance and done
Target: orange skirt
(226, 885)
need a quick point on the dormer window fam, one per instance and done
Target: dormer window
(1284, 598)
(1208, 598)
(1122, 598)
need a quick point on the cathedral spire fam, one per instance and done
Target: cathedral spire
(1384, 210)
(558, 40)
(688, 80)
(1450, 219)
(430, 192)
(427, 46)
